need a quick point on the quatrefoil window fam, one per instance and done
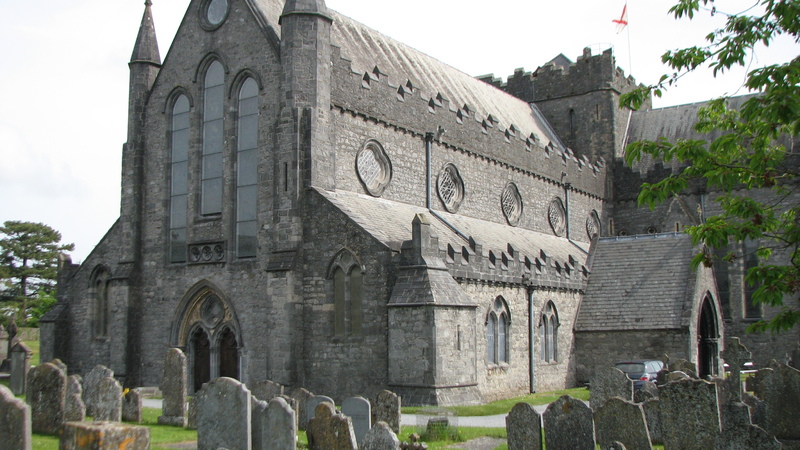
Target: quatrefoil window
(511, 201)
(373, 167)
(450, 187)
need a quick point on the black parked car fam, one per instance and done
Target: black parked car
(640, 370)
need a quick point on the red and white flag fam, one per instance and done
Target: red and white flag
(622, 22)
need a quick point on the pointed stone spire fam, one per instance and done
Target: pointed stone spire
(146, 48)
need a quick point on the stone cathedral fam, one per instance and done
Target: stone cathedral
(309, 201)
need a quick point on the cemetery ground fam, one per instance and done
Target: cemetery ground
(165, 437)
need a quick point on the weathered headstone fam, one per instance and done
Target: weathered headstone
(266, 390)
(780, 390)
(677, 376)
(386, 408)
(90, 383)
(301, 396)
(523, 426)
(330, 430)
(311, 405)
(648, 391)
(621, 421)
(191, 414)
(15, 421)
(109, 401)
(104, 436)
(758, 409)
(60, 364)
(74, 408)
(607, 383)
(173, 389)
(750, 437)
(358, 410)
(682, 365)
(224, 415)
(20, 365)
(381, 437)
(735, 355)
(689, 414)
(281, 425)
(132, 406)
(258, 423)
(47, 387)
(569, 423)
(652, 412)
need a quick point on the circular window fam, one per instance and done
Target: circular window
(450, 188)
(592, 225)
(557, 216)
(213, 13)
(511, 202)
(374, 168)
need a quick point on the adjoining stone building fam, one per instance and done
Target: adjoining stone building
(308, 201)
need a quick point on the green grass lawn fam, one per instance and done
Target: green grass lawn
(504, 406)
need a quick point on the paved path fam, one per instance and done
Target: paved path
(497, 421)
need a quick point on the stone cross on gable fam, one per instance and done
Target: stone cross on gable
(736, 354)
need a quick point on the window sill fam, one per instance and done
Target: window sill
(497, 368)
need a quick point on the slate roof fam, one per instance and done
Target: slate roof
(638, 283)
(390, 223)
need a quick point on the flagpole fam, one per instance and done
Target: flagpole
(630, 55)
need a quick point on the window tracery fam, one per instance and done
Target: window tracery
(498, 322)
(347, 276)
(247, 170)
(548, 333)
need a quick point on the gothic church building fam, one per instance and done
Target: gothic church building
(308, 201)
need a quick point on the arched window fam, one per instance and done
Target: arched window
(179, 179)
(213, 139)
(247, 171)
(347, 276)
(498, 322)
(548, 333)
(98, 292)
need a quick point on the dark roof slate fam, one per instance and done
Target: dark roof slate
(638, 283)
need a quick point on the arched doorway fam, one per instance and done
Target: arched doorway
(707, 340)
(207, 330)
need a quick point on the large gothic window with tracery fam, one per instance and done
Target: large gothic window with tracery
(213, 139)
(179, 179)
(247, 170)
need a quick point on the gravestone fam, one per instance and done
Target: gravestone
(173, 389)
(758, 409)
(60, 364)
(224, 415)
(15, 426)
(609, 382)
(358, 410)
(191, 414)
(104, 436)
(652, 412)
(109, 401)
(258, 423)
(132, 406)
(301, 396)
(311, 405)
(648, 391)
(380, 437)
(330, 430)
(3, 344)
(569, 423)
(621, 421)
(677, 376)
(682, 365)
(74, 408)
(689, 414)
(386, 408)
(735, 354)
(47, 387)
(750, 437)
(20, 365)
(780, 390)
(266, 390)
(281, 425)
(292, 404)
(523, 426)
(90, 383)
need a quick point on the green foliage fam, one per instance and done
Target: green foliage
(29, 255)
(747, 155)
(504, 406)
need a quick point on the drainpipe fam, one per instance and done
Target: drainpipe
(566, 207)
